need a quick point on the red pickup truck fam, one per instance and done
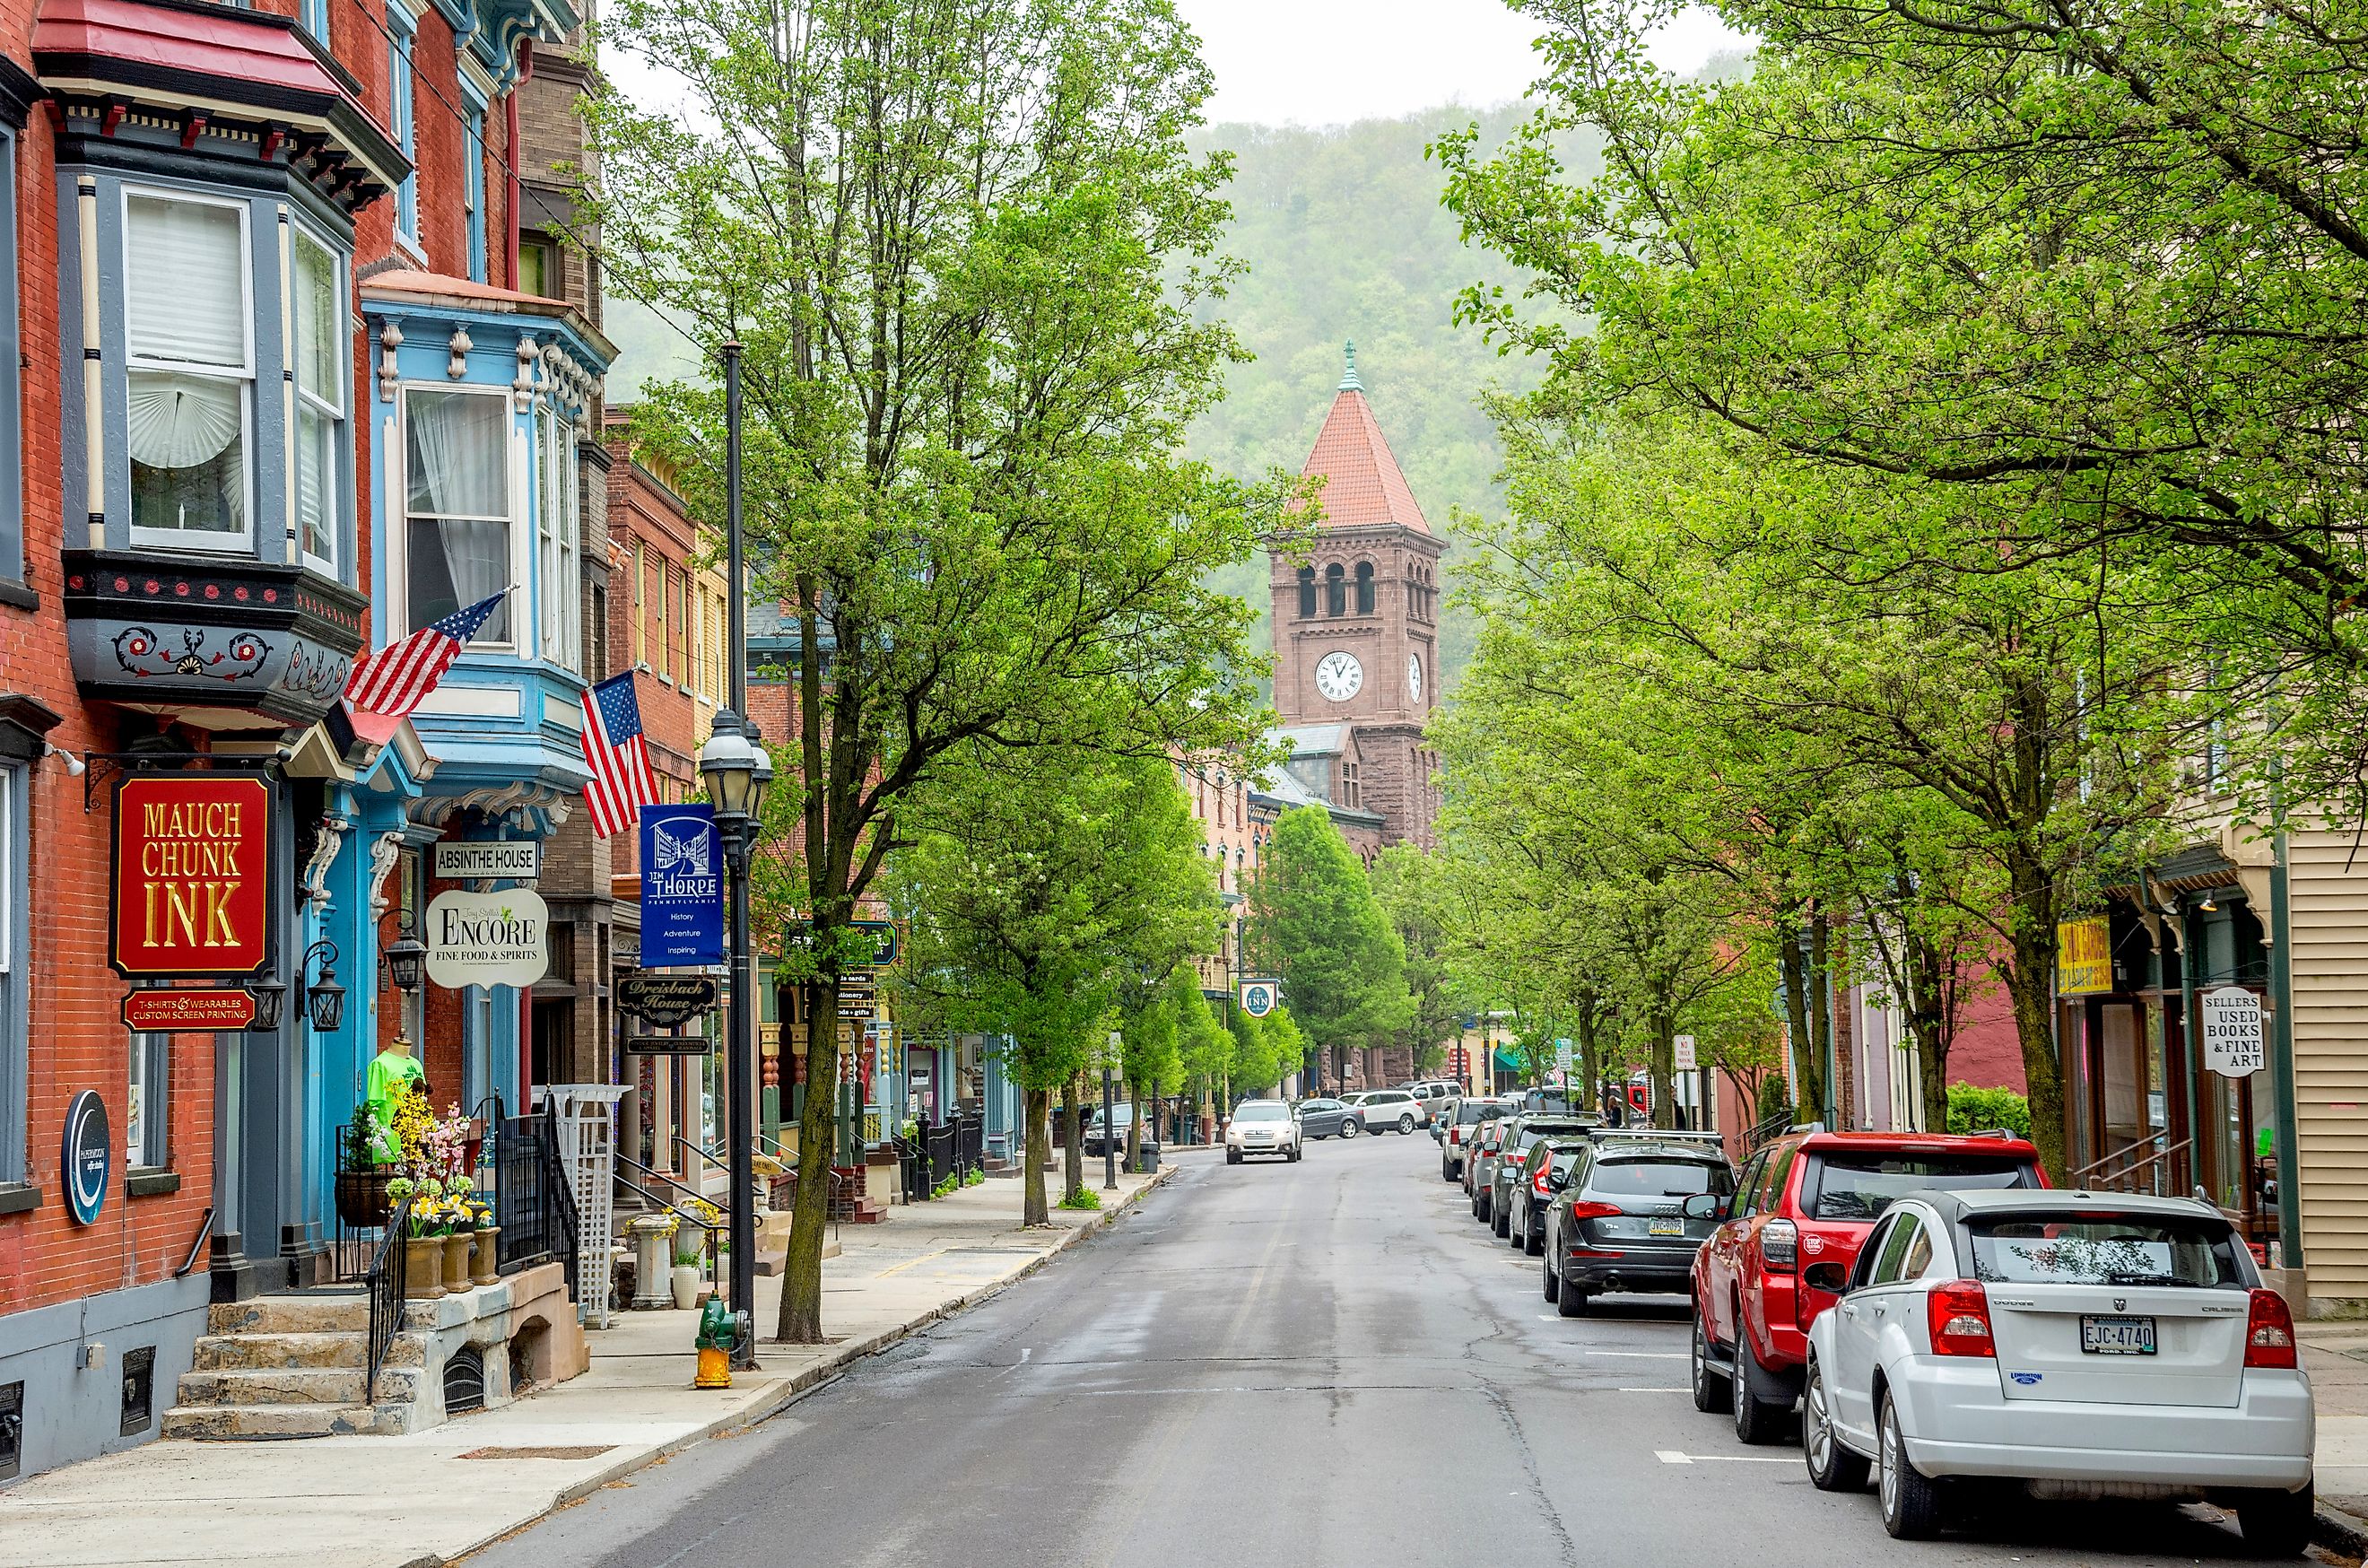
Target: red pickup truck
(1810, 1197)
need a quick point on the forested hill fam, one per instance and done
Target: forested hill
(1344, 238)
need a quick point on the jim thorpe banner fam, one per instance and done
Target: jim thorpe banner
(682, 887)
(191, 877)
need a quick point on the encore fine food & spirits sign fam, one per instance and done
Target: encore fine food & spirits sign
(191, 876)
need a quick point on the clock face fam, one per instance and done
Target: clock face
(1414, 676)
(1340, 677)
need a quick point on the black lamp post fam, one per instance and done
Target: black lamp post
(735, 771)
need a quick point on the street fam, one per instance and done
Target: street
(1325, 1363)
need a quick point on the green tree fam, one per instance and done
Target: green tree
(1313, 920)
(963, 246)
(1410, 886)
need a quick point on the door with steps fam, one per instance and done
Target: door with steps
(292, 1366)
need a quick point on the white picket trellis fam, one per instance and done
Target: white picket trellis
(587, 1142)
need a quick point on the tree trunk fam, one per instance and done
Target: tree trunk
(1033, 1208)
(800, 1317)
(1591, 1055)
(1663, 1066)
(1134, 1126)
(1821, 1016)
(1808, 1067)
(2031, 984)
(1073, 1135)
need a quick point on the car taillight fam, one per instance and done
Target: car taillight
(1538, 1184)
(1780, 1244)
(2269, 1331)
(1596, 1211)
(1959, 1316)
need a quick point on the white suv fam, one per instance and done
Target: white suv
(1262, 1127)
(1384, 1110)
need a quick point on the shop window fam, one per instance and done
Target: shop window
(320, 398)
(148, 1110)
(1335, 590)
(401, 29)
(191, 358)
(457, 551)
(560, 539)
(1364, 588)
(1307, 592)
(14, 895)
(538, 267)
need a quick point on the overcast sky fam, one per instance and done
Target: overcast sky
(1329, 62)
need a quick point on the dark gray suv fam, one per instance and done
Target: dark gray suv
(1619, 1221)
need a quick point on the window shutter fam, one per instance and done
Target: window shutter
(186, 298)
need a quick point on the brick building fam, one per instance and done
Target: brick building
(319, 397)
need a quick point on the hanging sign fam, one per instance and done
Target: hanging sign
(87, 1158)
(682, 886)
(1259, 996)
(471, 860)
(882, 933)
(664, 1001)
(1686, 1060)
(2233, 1045)
(667, 1045)
(191, 868)
(171, 1012)
(487, 938)
(2084, 955)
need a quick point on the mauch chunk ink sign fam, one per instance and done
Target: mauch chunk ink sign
(191, 876)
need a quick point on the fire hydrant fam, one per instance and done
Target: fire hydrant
(719, 1336)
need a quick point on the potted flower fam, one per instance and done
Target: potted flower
(459, 1233)
(487, 1234)
(423, 1242)
(685, 1278)
(362, 1181)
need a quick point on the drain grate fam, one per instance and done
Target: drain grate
(464, 1381)
(560, 1452)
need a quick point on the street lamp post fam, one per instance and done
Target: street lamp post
(1109, 1127)
(735, 771)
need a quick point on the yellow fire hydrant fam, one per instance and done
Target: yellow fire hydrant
(719, 1334)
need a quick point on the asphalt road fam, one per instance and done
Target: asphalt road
(1326, 1363)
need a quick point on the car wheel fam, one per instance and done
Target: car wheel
(1532, 1240)
(1291, 1155)
(1911, 1501)
(1406, 1125)
(1570, 1302)
(1757, 1422)
(1480, 1207)
(1232, 1156)
(1711, 1392)
(1551, 1284)
(1832, 1466)
(1501, 1220)
(1350, 1127)
(2277, 1524)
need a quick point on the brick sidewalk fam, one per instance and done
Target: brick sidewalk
(424, 1499)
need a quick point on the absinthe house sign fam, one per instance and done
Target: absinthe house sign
(487, 938)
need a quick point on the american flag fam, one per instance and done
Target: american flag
(619, 755)
(393, 681)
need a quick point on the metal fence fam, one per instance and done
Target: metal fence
(534, 1203)
(933, 1155)
(385, 1282)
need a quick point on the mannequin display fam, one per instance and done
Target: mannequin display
(395, 1073)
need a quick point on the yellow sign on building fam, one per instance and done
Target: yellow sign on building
(2084, 955)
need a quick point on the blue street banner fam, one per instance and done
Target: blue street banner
(682, 887)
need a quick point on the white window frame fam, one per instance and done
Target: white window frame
(403, 69)
(182, 539)
(342, 377)
(399, 479)
(559, 544)
(148, 1115)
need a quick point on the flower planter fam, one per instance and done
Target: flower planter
(685, 1281)
(362, 1202)
(457, 1249)
(423, 1267)
(483, 1273)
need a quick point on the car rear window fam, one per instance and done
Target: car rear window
(1660, 1178)
(1471, 1111)
(1860, 1185)
(2103, 1249)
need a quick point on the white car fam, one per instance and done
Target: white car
(2086, 1344)
(1384, 1111)
(1262, 1127)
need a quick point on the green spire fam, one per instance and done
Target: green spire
(1349, 382)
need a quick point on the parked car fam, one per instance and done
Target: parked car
(1386, 1110)
(1522, 1135)
(1262, 1127)
(2084, 1344)
(1459, 1121)
(1326, 1119)
(1809, 1197)
(1616, 1219)
(1121, 1117)
(1489, 1142)
(1541, 1174)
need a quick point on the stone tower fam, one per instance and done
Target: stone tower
(1356, 629)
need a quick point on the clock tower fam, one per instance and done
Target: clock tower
(1356, 630)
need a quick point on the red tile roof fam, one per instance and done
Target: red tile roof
(1364, 487)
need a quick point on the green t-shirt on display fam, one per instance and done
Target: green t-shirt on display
(392, 1077)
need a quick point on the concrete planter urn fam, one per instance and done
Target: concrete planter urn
(457, 1250)
(483, 1272)
(685, 1281)
(423, 1267)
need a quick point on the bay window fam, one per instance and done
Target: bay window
(457, 515)
(191, 370)
(560, 534)
(320, 400)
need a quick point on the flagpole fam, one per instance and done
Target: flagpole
(740, 1056)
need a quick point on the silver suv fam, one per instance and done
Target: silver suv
(1384, 1111)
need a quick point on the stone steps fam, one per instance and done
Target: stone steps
(250, 1423)
(299, 1385)
(326, 1312)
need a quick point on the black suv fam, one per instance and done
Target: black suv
(1505, 1167)
(1618, 1223)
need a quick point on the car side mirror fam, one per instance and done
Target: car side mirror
(1830, 1278)
(1703, 1205)
(1558, 1180)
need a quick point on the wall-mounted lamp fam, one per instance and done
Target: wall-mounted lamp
(324, 999)
(406, 956)
(2207, 905)
(270, 997)
(74, 764)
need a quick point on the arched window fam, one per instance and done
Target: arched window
(1307, 592)
(1335, 590)
(1364, 588)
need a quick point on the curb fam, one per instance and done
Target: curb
(2343, 1531)
(788, 1391)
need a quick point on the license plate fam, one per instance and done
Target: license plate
(2117, 1337)
(1666, 1227)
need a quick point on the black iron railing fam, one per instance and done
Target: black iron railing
(385, 1283)
(533, 1203)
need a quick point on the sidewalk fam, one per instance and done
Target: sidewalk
(424, 1499)
(2336, 1355)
